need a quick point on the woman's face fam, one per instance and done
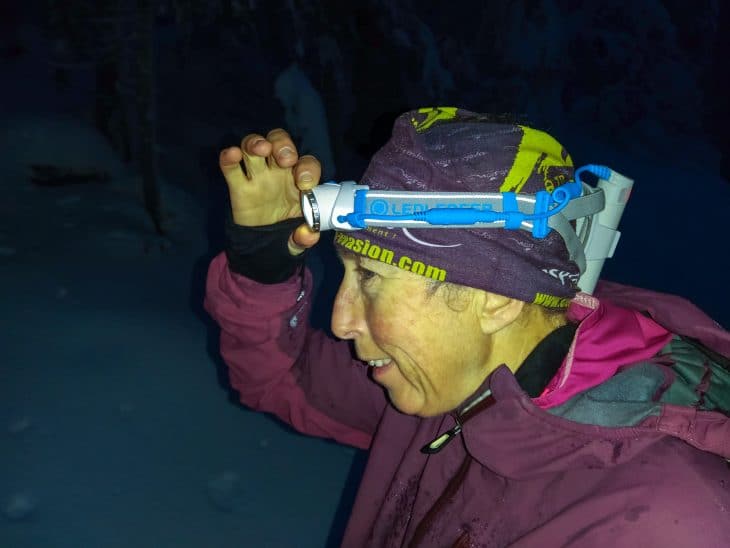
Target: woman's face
(431, 345)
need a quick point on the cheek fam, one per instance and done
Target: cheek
(394, 328)
(381, 325)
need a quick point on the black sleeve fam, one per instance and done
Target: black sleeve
(261, 253)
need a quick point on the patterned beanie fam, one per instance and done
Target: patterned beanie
(454, 150)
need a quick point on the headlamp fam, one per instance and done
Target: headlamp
(595, 210)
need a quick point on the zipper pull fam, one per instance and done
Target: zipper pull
(484, 401)
(440, 442)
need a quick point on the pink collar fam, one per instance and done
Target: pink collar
(609, 337)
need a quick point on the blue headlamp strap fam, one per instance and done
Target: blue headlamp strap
(537, 214)
(589, 240)
(459, 210)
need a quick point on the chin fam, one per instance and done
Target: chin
(403, 407)
(414, 409)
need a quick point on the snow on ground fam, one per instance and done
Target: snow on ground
(115, 428)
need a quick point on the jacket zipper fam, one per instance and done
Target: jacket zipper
(481, 403)
(485, 401)
(445, 498)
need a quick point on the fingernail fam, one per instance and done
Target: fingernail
(305, 177)
(285, 152)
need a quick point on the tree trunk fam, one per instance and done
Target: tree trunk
(147, 112)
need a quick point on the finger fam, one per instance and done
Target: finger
(255, 150)
(230, 165)
(256, 145)
(307, 172)
(284, 152)
(302, 239)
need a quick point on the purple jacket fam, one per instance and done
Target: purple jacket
(626, 447)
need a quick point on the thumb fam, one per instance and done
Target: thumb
(302, 239)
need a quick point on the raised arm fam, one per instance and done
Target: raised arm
(259, 293)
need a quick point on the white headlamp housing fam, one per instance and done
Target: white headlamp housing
(324, 204)
(596, 212)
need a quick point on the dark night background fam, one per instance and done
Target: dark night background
(118, 426)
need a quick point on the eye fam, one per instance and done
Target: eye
(365, 276)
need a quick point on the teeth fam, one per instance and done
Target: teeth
(379, 363)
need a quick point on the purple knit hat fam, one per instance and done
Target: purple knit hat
(453, 150)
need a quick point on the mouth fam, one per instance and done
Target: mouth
(380, 367)
(379, 363)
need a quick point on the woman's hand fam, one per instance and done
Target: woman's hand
(265, 189)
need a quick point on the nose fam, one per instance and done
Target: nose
(347, 312)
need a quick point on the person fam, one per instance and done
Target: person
(499, 404)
